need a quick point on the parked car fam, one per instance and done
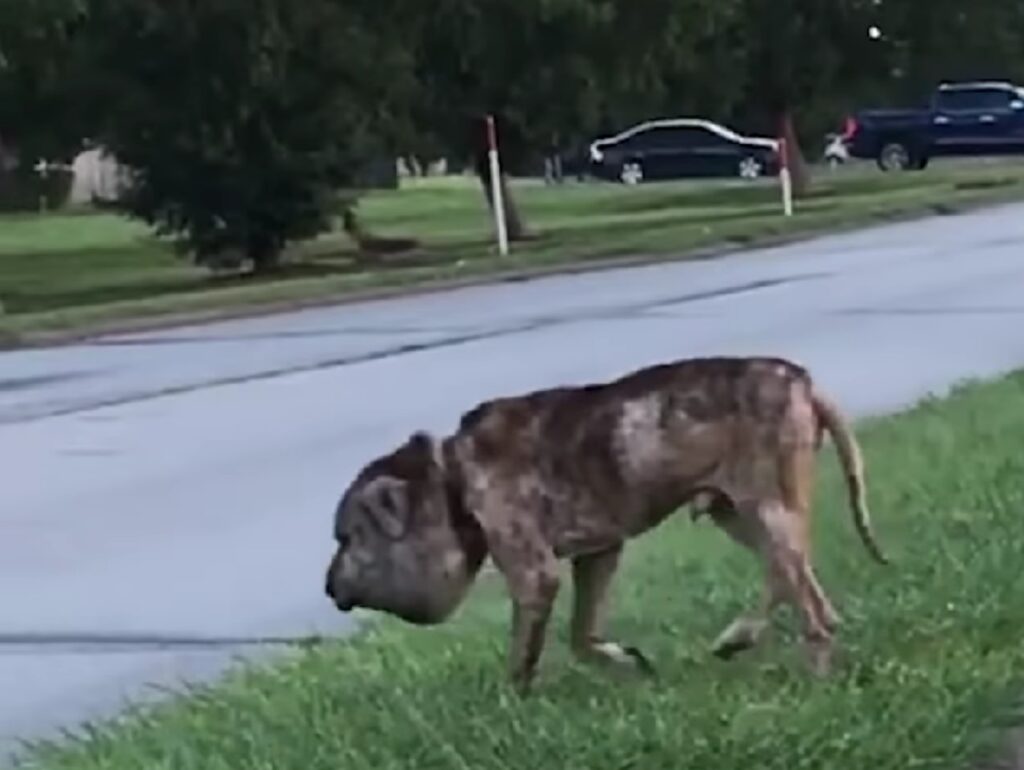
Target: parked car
(960, 119)
(680, 148)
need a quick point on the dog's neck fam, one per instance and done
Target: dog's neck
(451, 468)
(455, 485)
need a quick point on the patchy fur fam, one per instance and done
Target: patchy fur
(575, 472)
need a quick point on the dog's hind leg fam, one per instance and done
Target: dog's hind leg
(592, 577)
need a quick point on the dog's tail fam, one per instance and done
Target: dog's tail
(833, 421)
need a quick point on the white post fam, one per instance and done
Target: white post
(785, 178)
(42, 167)
(496, 196)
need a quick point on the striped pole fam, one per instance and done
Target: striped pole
(496, 196)
(785, 178)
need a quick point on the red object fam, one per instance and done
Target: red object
(492, 139)
(849, 128)
(783, 153)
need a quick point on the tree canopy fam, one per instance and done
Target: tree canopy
(243, 120)
(39, 79)
(927, 43)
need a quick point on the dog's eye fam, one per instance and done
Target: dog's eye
(343, 542)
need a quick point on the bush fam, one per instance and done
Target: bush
(22, 189)
(241, 122)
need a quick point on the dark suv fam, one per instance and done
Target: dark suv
(963, 119)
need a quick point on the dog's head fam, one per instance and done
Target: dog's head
(404, 546)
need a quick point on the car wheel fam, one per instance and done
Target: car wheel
(894, 156)
(631, 173)
(750, 168)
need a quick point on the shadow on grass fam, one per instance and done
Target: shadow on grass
(670, 231)
(654, 219)
(681, 223)
(655, 199)
(655, 237)
(734, 195)
(986, 184)
(39, 295)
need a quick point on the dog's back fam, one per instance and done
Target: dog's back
(609, 460)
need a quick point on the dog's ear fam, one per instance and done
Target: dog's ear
(386, 499)
(427, 444)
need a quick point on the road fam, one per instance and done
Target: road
(180, 484)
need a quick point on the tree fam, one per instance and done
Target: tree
(242, 119)
(795, 54)
(927, 43)
(552, 72)
(38, 102)
(666, 58)
(524, 61)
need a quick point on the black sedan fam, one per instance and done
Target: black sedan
(682, 148)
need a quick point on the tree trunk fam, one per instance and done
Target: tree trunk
(265, 256)
(797, 163)
(514, 224)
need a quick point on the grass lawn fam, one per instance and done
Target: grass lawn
(932, 661)
(86, 270)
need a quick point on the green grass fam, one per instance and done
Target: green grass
(931, 665)
(80, 271)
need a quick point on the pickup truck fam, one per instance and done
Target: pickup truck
(962, 119)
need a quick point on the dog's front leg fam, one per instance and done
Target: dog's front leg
(533, 589)
(526, 560)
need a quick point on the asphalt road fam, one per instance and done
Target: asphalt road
(179, 486)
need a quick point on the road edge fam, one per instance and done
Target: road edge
(12, 340)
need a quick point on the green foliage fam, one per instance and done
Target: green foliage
(667, 58)
(22, 189)
(944, 39)
(244, 120)
(38, 78)
(241, 120)
(554, 72)
(529, 62)
(558, 71)
(796, 51)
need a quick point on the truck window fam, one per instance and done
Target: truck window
(974, 99)
(960, 100)
(996, 99)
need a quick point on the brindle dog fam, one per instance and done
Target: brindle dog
(573, 473)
